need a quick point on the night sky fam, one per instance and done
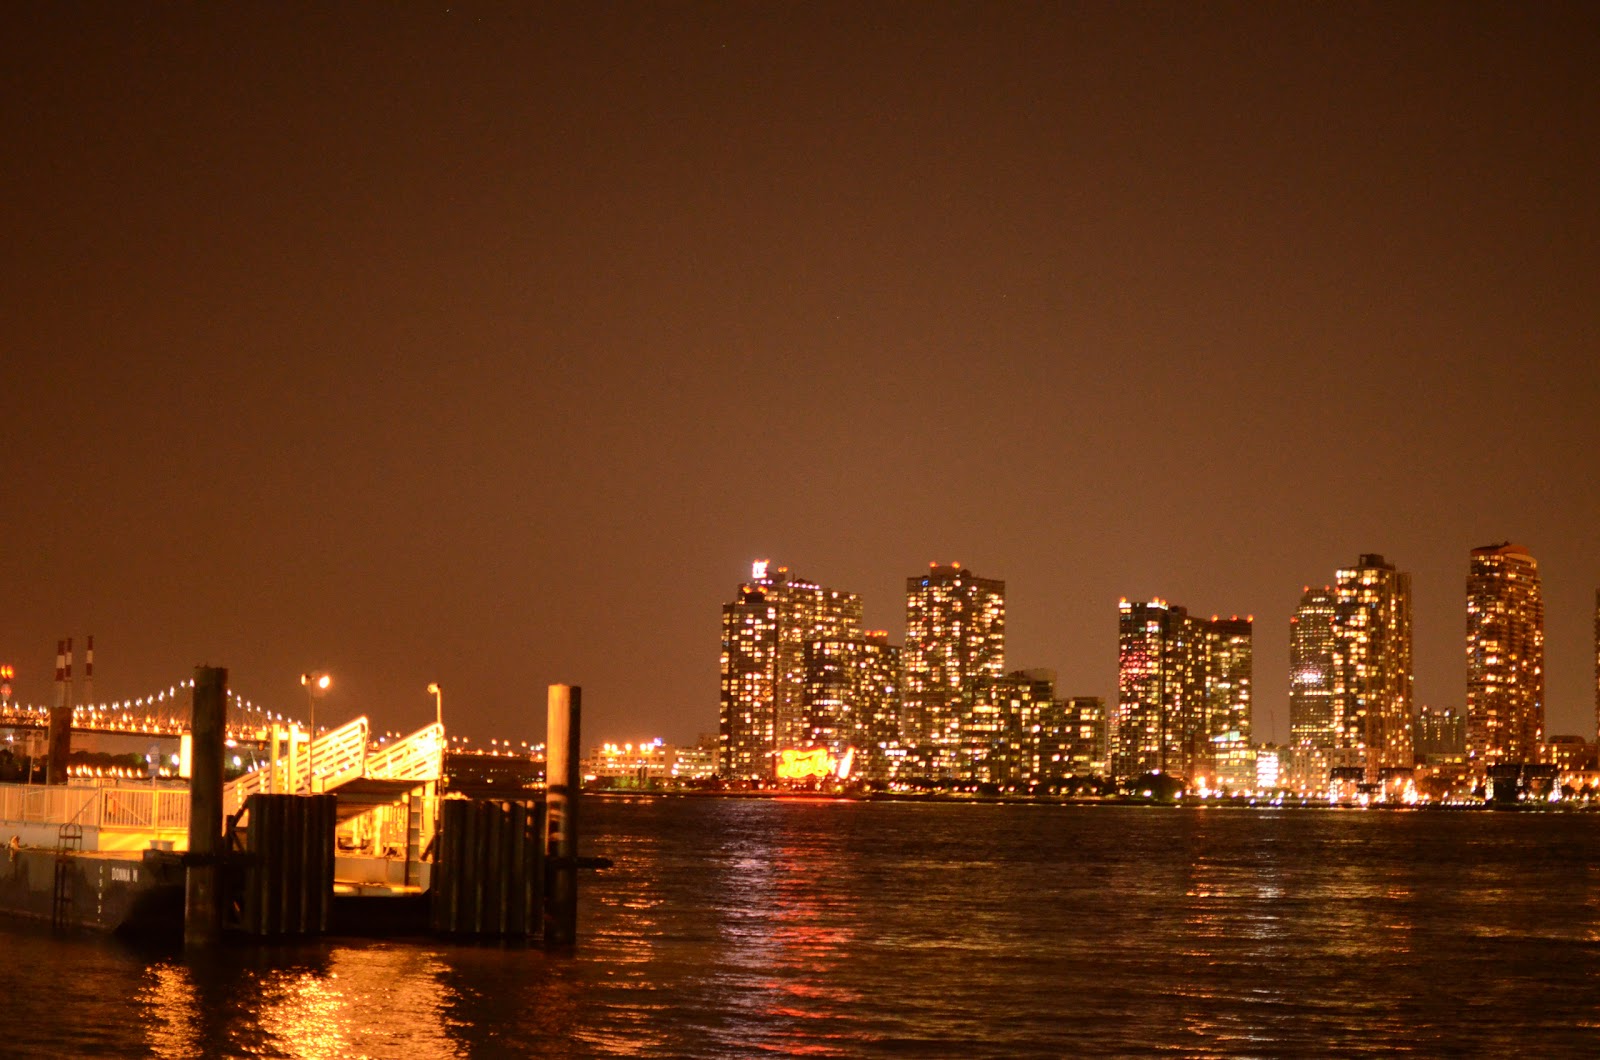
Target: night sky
(490, 345)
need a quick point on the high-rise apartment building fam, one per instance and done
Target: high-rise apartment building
(1183, 693)
(1311, 670)
(1229, 678)
(1308, 757)
(955, 640)
(853, 699)
(1159, 688)
(1013, 718)
(764, 633)
(1088, 750)
(1372, 668)
(1505, 657)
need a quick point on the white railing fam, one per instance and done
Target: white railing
(418, 757)
(36, 804)
(144, 810)
(104, 805)
(339, 756)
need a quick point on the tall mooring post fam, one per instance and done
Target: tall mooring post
(563, 782)
(202, 906)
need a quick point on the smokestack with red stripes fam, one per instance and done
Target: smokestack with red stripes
(88, 671)
(59, 740)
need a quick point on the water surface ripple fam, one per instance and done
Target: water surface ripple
(741, 928)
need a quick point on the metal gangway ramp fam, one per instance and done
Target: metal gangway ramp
(342, 761)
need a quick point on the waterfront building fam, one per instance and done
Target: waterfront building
(1233, 761)
(1160, 688)
(955, 641)
(764, 632)
(1372, 678)
(1183, 693)
(853, 699)
(1505, 657)
(1569, 754)
(699, 762)
(1229, 676)
(1272, 771)
(1311, 731)
(651, 764)
(1007, 736)
(1088, 749)
(1440, 735)
(1311, 669)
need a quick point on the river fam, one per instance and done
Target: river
(734, 928)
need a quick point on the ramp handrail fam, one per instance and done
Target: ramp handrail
(418, 757)
(340, 756)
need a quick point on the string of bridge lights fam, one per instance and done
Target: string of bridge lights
(121, 713)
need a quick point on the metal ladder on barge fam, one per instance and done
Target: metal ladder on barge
(64, 895)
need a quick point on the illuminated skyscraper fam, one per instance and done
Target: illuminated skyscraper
(1505, 657)
(1161, 698)
(853, 699)
(1230, 673)
(1183, 692)
(764, 633)
(1311, 731)
(1597, 665)
(1372, 667)
(955, 639)
(1311, 670)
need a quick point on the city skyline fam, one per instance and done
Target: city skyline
(488, 348)
(946, 706)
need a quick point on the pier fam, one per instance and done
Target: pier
(340, 834)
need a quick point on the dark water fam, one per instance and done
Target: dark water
(732, 929)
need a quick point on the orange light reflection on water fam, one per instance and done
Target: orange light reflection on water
(172, 1012)
(356, 1001)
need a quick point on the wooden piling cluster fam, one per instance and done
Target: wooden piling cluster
(288, 870)
(488, 869)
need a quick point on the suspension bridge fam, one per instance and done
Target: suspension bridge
(164, 712)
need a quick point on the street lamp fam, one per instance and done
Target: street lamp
(438, 702)
(315, 685)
